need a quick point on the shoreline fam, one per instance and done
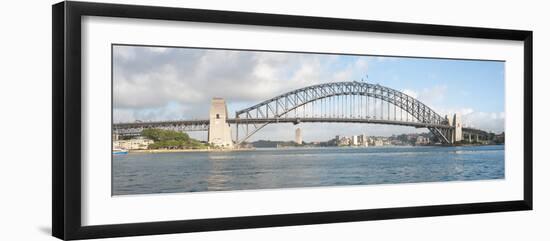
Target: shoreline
(189, 150)
(253, 149)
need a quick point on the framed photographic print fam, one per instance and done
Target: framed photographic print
(169, 120)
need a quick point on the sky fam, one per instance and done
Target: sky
(161, 83)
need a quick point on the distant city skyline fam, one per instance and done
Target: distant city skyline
(154, 83)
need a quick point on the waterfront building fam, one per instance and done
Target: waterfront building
(378, 142)
(343, 141)
(363, 140)
(354, 141)
(421, 140)
(397, 142)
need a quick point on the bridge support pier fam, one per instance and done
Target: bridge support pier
(219, 131)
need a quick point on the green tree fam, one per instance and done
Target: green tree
(165, 135)
(167, 139)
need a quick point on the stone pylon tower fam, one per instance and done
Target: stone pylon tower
(219, 132)
(457, 123)
(454, 134)
(298, 137)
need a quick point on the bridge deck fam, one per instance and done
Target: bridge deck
(275, 120)
(333, 120)
(154, 124)
(135, 128)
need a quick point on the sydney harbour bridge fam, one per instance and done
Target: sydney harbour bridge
(337, 102)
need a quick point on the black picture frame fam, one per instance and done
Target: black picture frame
(66, 127)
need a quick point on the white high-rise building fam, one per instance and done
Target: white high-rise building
(363, 140)
(354, 141)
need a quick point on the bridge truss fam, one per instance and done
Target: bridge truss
(341, 102)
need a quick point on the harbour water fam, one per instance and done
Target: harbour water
(145, 173)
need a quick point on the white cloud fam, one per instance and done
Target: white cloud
(490, 121)
(429, 96)
(146, 78)
(361, 64)
(432, 96)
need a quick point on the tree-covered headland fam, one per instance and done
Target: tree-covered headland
(167, 139)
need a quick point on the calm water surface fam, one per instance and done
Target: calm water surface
(142, 173)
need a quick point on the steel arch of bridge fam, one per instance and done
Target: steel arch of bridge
(276, 108)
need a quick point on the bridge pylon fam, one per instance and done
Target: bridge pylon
(219, 131)
(457, 124)
(454, 133)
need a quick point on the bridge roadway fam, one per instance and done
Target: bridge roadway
(333, 120)
(202, 125)
(135, 128)
(156, 124)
